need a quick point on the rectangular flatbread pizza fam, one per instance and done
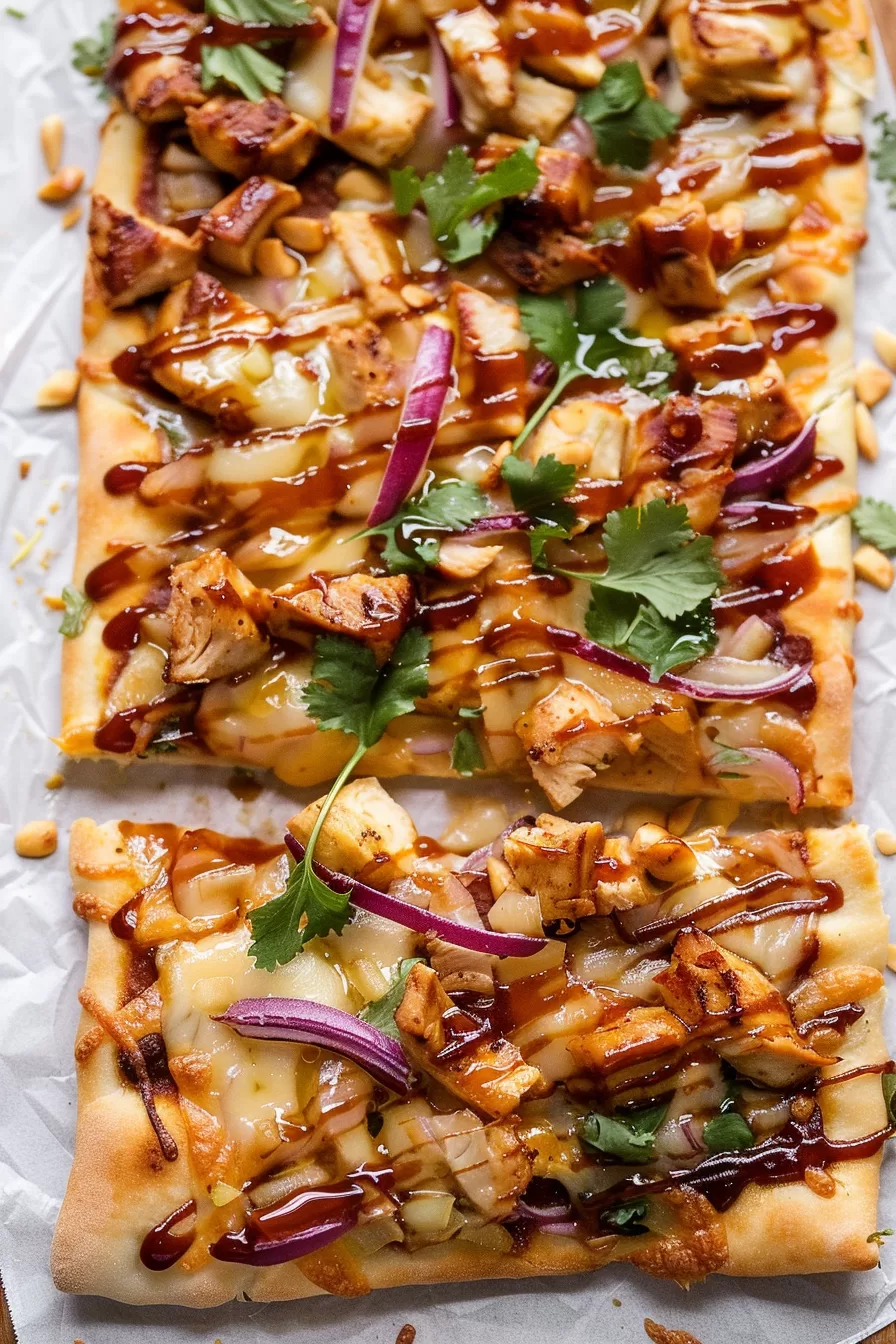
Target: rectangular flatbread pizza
(565, 1049)
(521, 326)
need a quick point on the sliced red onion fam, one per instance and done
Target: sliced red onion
(251, 1245)
(569, 641)
(354, 20)
(422, 921)
(498, 522)
(476, 861)
(767, 473)
(578, 137)
(311, 1023)
(441, 86)
(765, 764)
(543, 372)
(430, 744)
(419, 422)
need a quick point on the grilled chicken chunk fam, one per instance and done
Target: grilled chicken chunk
(159, 88)
(544, 261)
(483, 74)
(458, 968)
(568, 735)
(235, 226)
(366, 834)
(539, 108)
(627, 1042)
(729, 55)
(364, 370)
(742, 1015)
(559, 41)
(573, 869)
(487, 326)
(133, 256)
(213, 633)
(492, 1075)
(677, 239)
(586, 433)
(371, 250)
(564, 191)
(372, 610)
(243, 138)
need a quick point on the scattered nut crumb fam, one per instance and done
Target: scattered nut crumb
(884, 343)
(26, 546)
(820, 1182)
(272, 260)
(617, 1302)
(36, 840)
(62, 185)
(866, 434)
(872, 382)
(55, 781)
(360, 185)
(52, 133)
(802, 1107)
(24, 469)
(660, 1334)
(53, 602)
(874, 567)
(415, 296)
(886, 842)
(304, 233)
(406, 1335)
(59, 390)
(71, 217)
(680, 818)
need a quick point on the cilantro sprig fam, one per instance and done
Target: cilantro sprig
(77, 608)
(539, 490)
(884, 154)
(244, 67)
(466, 753)
(457, 197)
(411, 545)
(875, 522)
(626, 121)
(381, 1013)
(91, 55)
(653, 600)
(628, 1218)
(350, 693)
(588, 339)
(628, 1135)
(728, 1131)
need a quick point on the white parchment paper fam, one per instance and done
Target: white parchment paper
(42, 944)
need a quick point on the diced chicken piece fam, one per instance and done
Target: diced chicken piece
(824, 991)
(586, 433)
(547, 261)
(557, 41)
(701, 487)
(490, 1163)
(243, 138)
(364, 371)
(458, 968)
(677, 239)
(573, 869)
(641, 1035)
(568, 735)
(696, 344)
(564, 191)
(737, 1009)
(735, 55)
(483, 74)
(366, 833)
(132, 256)
(159, 88)
(387, 112)
(213, 633)
(486, 325)
(539, 108)
(372, 610)
(236, 225)
(371, 249)
(491, 1075)
(464, 559)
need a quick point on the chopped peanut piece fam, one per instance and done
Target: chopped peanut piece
(273, 260)
(682, 816)
(54, 781)
(36, 840)
(59, 390)
(415, 296)
(71, 217)
(303, 233)
(886, 842)
(872, 382)
(62, 185)
(884, 343)
(24, 469)
(662, 854)
(359, 185)
(866, 434)
(874, 567)
(52, 133)
(462, 560)
(53, 602)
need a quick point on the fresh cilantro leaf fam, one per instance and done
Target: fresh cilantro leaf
(77, 608)
(466, 754)
(241, 67)
(590, 341)
(619, 621)
(471, 711)
(381, 1013)
(628, 1135)
(172, 427)
(875, 522)
(91, 55)
(539, 489)
(456, 196)
(888, 1084)
(878, 1238)
(448, 507)
(348, 692)
(280, 13)
(724, 762)
(727, 1133)
(627, 1218)
(653, 553)
(625, 119)
(167, 736)
(884, 154)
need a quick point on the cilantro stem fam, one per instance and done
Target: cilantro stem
(556, 391)
(330, 800)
